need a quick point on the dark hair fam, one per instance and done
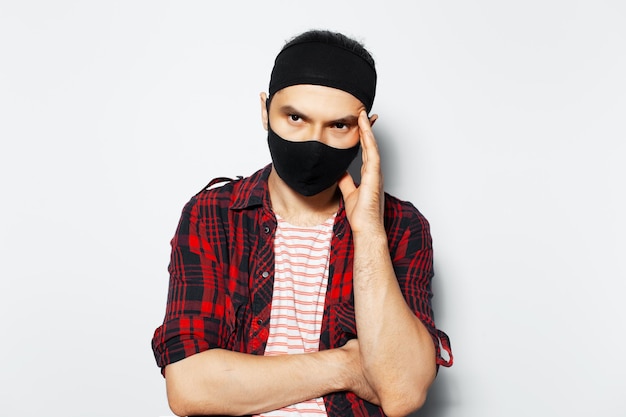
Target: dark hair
(333, 38)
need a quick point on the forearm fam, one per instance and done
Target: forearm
(223, 382)
(397, 351)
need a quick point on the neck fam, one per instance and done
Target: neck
(300, 210)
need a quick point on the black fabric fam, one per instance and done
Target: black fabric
(308, 167)
(324, 64)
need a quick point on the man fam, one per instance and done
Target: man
(295, 291)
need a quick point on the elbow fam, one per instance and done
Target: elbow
(177, 400)
(182, 394)
(407, 397)
(404, 405)
(190, 391)
(178, 407)
(183, 404)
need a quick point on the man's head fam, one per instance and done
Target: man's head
(320, 83)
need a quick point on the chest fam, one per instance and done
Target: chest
(250, 271)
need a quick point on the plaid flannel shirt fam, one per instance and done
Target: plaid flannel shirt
(222, 269)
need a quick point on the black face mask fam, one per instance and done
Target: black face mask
(309, 167)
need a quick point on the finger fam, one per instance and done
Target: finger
(368, 141)
(364, 128)
(346, 184)
(365, 123)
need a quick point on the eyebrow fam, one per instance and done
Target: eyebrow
(287, 109)
(347, 120)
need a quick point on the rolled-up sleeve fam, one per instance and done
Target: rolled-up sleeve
(412, 254)
(199, 314)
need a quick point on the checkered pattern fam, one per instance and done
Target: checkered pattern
(222, 269)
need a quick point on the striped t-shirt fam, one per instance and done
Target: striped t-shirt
(300, 280)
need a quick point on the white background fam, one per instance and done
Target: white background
(503, 122)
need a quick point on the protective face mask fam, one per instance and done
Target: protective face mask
(309, 167)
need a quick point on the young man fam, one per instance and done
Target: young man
(295, 291)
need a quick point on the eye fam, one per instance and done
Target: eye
(340, 125)
(294, 117)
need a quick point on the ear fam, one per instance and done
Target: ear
(264, 115)
(373, 119)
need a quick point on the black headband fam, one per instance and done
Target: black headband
(324, 64)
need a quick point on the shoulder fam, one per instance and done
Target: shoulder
(401, 210)
(210, 201)
(405, 224)
(222, 194)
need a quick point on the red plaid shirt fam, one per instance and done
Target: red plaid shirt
(222, 269)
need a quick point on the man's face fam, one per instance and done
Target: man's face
(312, 112)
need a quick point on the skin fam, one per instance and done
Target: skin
(392, 363)
(311, 112)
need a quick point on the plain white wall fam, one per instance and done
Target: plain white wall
(503, 122)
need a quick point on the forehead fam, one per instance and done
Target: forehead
(309, 98)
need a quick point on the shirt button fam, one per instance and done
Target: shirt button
(259, 322)
(266, 229)
(265, 274)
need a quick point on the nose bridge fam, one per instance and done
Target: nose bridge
(316, 131)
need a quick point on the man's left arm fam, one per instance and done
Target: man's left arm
(397, 351)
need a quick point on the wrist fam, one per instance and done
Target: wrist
(371, 237)
(350, 364)
(376, 229)
(337, 362)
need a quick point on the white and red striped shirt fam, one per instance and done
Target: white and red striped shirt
(300, 280)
